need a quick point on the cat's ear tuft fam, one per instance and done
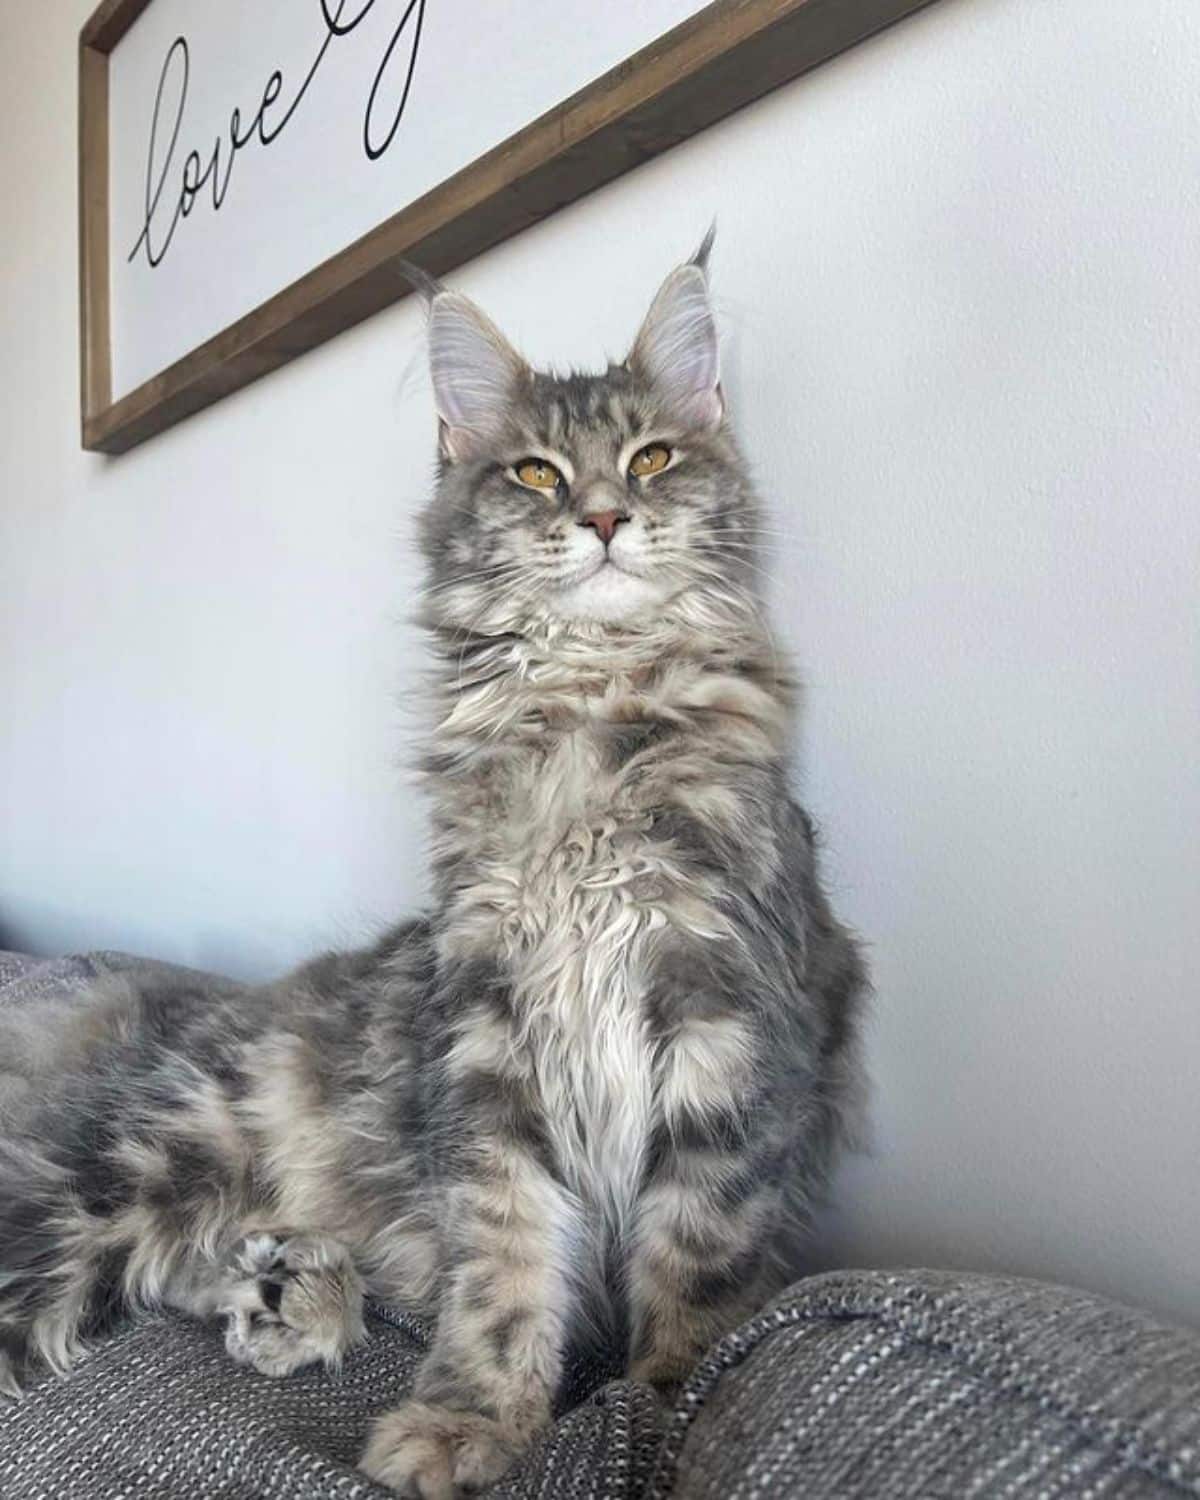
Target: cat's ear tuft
(426, 286)
(700, 259)
(676, 348)
(476, 373)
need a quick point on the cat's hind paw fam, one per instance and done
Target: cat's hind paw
(433, 1453)
(291, 1300)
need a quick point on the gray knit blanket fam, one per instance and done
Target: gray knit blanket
(915, 1385)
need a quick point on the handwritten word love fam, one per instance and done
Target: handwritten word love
(163, 216)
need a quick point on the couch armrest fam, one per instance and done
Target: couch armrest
(891, 1385)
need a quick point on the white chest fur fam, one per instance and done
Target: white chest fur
(569, 897)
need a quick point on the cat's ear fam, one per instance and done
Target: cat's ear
(476, 373)
(676, 347)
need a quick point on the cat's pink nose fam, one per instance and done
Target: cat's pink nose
(604, 523)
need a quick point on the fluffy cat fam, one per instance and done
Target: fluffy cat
(591, 1095)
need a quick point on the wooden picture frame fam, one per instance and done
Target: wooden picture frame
(725, 56)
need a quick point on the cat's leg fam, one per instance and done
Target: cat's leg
(710, 1203)
(288, 1299)
(487, 1385)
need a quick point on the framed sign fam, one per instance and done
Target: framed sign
(249, 174)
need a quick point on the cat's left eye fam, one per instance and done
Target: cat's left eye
(538, 474)
(649, 460)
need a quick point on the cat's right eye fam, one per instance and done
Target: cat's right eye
(652, 459)
(537, 474)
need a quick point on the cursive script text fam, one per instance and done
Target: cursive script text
(164, 211)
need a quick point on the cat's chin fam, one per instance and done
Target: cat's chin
(610, 595)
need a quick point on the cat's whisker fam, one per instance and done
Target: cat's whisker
(495, 572)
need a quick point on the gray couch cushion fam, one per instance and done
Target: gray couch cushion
(934, 1384)
(160, 1412)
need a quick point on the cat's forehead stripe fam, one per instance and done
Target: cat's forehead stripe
(563, 405)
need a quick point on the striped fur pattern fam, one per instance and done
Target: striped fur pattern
(593, 1095)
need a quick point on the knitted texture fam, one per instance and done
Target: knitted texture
(160, 1412)
(935, 1384)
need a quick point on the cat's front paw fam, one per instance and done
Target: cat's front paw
(433, 1453)
(291, 1300)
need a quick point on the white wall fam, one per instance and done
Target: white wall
(958, 269)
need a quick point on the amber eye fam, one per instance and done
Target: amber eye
(650, 460)
(538, 474)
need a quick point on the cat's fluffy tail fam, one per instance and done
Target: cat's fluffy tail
(64, 1248)
(34, 1198)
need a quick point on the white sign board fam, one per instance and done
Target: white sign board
(249, 142)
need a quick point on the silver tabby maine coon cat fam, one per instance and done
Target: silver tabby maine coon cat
(592, 1094)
